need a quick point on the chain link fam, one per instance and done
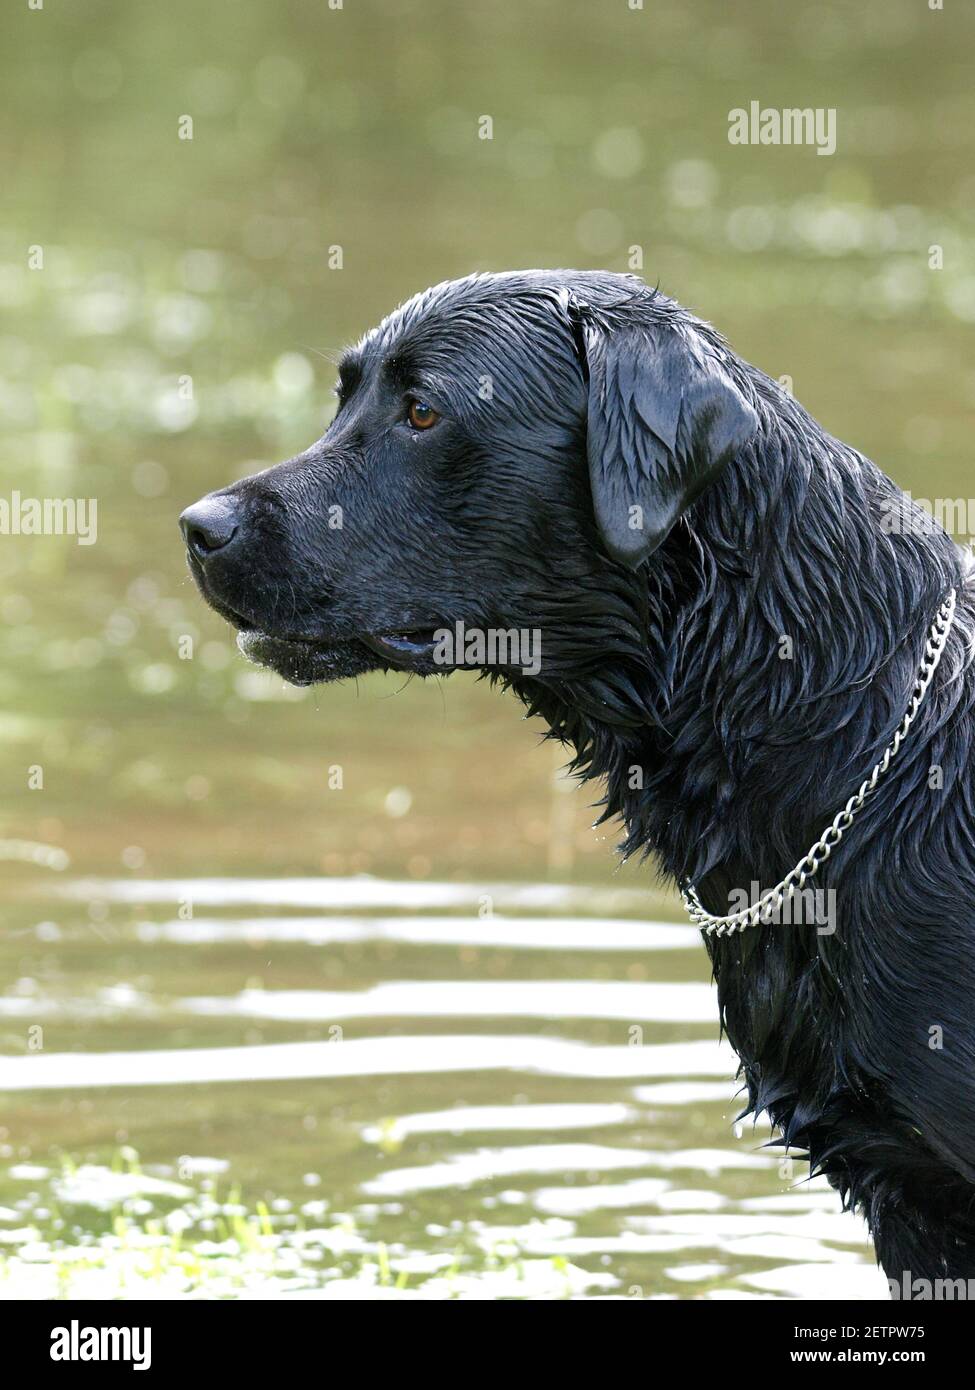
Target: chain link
(765, 907)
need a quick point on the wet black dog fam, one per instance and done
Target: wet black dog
(731, 608)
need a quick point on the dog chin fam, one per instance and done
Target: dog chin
(307, 663)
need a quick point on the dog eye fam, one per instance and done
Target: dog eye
(421, 416)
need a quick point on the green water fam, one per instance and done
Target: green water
(182, 879)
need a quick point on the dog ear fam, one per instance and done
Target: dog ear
(664, 417)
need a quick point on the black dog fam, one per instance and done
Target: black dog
(732, 609)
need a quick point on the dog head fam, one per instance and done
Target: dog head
(507, 452)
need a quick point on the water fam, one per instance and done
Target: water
(418, 1102)
(311, 991)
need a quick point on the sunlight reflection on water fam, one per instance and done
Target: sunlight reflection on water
(498, 1106)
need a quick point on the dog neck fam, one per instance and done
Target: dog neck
(773, 646)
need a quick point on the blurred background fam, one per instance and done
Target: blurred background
(528, 1097)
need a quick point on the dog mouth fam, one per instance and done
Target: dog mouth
(402, 647)
(309, 660)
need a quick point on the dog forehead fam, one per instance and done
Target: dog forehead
(458, 309)
(484, 314)
(514, 329)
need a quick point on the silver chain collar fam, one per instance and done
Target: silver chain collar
(765, 907)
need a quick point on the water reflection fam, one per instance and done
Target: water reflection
(474, 1109)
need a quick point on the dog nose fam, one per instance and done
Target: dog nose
(209, 525)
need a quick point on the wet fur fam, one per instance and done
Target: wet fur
(673, 666)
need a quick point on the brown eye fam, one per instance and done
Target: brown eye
(421, 416)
